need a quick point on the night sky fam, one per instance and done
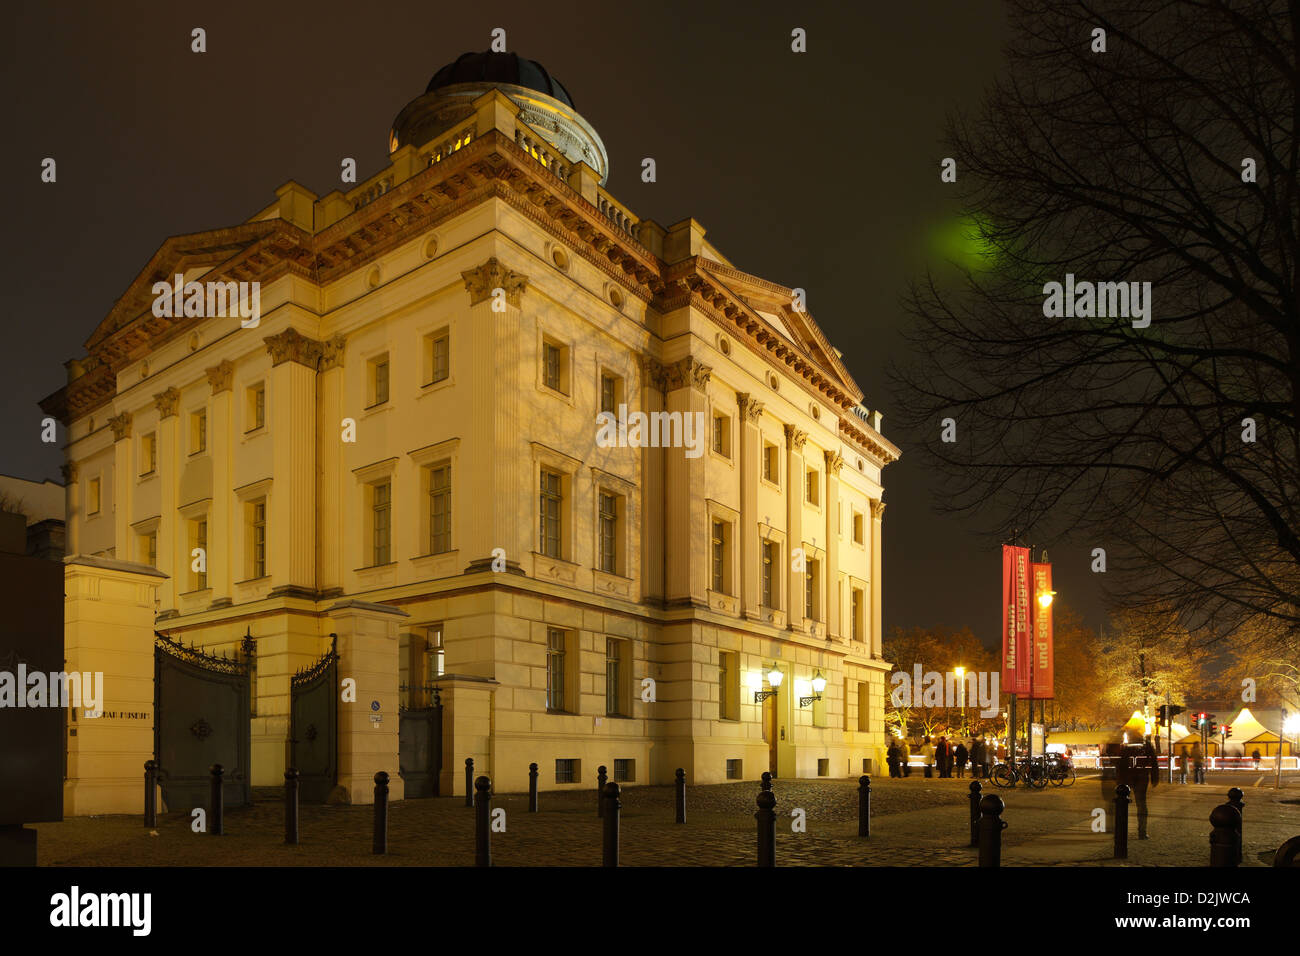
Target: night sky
(818, 170)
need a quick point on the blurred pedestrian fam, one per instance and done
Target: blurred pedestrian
(1254, 755)
(943, 757)
(927, 754)
(960, 755)
(891, 758)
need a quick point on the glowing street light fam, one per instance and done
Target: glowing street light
(774, 677)
(818, 685)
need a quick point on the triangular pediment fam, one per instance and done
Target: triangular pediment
(187, 255)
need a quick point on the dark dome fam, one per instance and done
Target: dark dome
(492, 67)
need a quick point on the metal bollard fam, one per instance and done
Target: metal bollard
(216, 825)
(381, 812)
(1121, 821)
(469, 781)
(766, 817)
(1225, 839)
(601, 779)
(291, 806)
(766, 781)
(151, 794)
(680, 786)
(864, 806)
(532, 788)
(1235, 798)
(612, 807)
(991, 826)
(975, 789)
(482, 822)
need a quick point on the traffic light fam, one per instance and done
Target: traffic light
(1212, 726)
(1162, 715)
(1227, 731)
(1200, 719)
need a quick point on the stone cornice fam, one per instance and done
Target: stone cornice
(482, 282)
(869, 443)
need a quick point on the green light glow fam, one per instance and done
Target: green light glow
(958, 241)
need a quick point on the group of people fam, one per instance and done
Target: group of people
(943, 756)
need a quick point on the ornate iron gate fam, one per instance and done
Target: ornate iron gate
(201, 718)
(419, 740)
(313, 726)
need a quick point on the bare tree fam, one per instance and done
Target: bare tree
(1170, 158)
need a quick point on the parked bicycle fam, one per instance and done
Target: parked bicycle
(1033, 773)
(1060, 770)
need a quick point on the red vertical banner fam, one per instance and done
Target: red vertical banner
(1015, 620)
(1044, 663)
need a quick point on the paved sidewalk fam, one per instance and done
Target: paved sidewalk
(915, 822)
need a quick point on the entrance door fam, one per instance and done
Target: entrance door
(313, 727)
(419, 741)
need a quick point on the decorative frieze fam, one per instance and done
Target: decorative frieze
(751, 409)
(292, 346)
(795, 438)
(331, 355)
(484, 280)
(121, 426)
(220, 377)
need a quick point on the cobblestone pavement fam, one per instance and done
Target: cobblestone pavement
(915, 822)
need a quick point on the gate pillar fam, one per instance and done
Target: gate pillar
(108, 619)
(368, 726)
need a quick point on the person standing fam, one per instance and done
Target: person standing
(986, 757)
(891, 758)
(1144, 772)
(927, 754)
(961, 755)
(1198, 764)
(1254, 755)
(943, 756)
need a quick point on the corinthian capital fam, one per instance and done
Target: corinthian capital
(877, 508)
(219, 377)
(121, 426)
(834, 462)
(166, 401)
(292, 346)
(751, 409)
(688, 371)
(483, 281)
(331, 355)
(795, 438)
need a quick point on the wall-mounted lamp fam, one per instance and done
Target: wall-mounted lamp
(818, 685)
(774, 678)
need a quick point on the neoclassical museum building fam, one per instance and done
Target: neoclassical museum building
(399, 461)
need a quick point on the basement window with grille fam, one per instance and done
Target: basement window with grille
(566, 770)
(624, 770)
(734, 770)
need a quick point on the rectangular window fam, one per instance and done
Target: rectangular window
(549, 510)
(823, 766)
(812, 486)
(555, 662)
(437, 357)
(624, 770)
(857, 527)
(566, 770)
(435, 657)
(615, 664)
(199, 431)
(722, 435)
(608, 393)
(607, 533)
(864, 707)
(719, 556)
(771, 464)
(256, 406)
(855, 612)
(554, 366)
(735, 770)
(440, 508)
(200, 540)
(381, 523)
(149, 454)
(728, 686)
(812, 591)
(257, 538)
(149, 549)
(771, 573)
(92, 496)
(377, 384)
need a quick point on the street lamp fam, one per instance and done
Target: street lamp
(961, 684)
(774, 679)
(818, 685)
